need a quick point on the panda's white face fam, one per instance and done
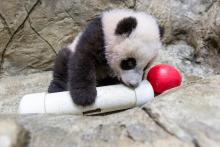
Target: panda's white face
(132, 42)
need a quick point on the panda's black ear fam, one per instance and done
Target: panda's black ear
(126, 26)
(161, 29)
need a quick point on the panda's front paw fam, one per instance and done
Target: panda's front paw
(83, 96)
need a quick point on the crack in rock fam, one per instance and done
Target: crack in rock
(14, 33)
(5, 24)
(158, 123)
(179, 134)
(38, 34)
(133, 6)
(196, 143)
(68, 14)
(210, 6)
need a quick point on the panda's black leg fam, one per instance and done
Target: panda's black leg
(59, 81)
(57, 85)
(82, 79)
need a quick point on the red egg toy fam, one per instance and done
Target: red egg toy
(163, 77)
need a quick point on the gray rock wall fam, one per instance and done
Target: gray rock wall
(33, 31)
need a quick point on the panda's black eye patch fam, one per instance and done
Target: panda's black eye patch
(128, 63)
(126, 26)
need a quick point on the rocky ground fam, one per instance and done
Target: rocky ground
(33, 31)
(187, 116)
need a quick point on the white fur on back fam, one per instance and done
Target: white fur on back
(72, 46)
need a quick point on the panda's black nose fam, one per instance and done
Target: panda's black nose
(127, 64)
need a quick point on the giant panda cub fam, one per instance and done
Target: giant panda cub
(115, 47)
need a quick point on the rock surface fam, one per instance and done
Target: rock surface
(181, 55)
(129, 128)
(12, 89)
(190, 112)
(12, 134)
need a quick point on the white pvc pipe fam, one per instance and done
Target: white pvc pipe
(109, 98)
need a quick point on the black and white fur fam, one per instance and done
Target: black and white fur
(116, 46)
